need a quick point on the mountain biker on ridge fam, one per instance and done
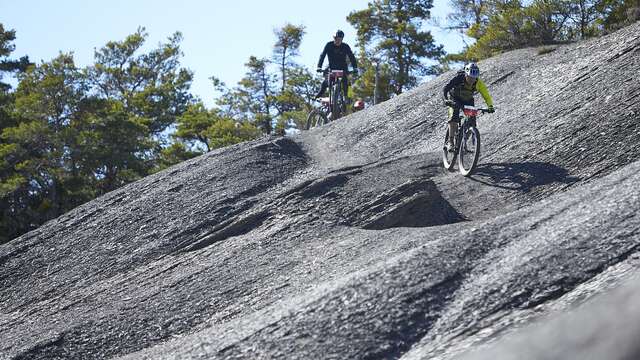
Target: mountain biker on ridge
(459, 92)
(337, 52)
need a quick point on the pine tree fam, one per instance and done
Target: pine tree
(150, 85)
(193, 124)
(8, 66)
(294, 103)
(68, 135)
(198, 124)
(39, 165)
(618, 13)
(174, 154)
(502, 25)
(470, 16)
(584, 14)
(116, 146)
(365, 87)
(252, 100)
(288, 40)
(394, 28)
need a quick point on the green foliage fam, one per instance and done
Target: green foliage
(14, 186)
(68, 135)
(545, 22)
(618, 13)
(288, 40)
(34, 146)
(51, 92)
(586, 18)
(294, 103)
(513, 25)
(174, 154)
(193, 124)
(364, 87)
(7, 65)
(27, 176)
(394, 29)
(258, 100)
(199, 126)
(503, 25)
(253, 99)
(150, 85)
(469, 15)
(113, 145)
(503, 31)
(225, 132)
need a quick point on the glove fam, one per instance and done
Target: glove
(319, 70)
(450, 103)
(491, 110)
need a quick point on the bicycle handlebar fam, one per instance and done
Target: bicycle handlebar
(319, 71)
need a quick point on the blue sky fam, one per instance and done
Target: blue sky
(219, 36)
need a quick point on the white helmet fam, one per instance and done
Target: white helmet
(472, 70)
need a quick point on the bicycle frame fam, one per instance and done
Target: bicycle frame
(468, 112)
(335, 79)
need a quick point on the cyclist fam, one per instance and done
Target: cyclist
(459, 92)
(337, 52)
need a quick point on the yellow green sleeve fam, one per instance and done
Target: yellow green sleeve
(482, 89)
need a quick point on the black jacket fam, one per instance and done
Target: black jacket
(458, 90)
(455, 84)
(338, 56)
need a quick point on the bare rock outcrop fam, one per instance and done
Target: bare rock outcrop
(352, 241)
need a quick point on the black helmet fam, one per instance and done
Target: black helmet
(339, 34)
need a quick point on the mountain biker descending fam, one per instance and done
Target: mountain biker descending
(337, 52)
(459, 92)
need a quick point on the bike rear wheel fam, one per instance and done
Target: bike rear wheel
(316, 118)
(337, 102)
(448, 158)
(469, 151)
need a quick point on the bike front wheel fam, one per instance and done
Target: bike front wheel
(316, 118)
(337, 103)
(448, 157)
(469, 151)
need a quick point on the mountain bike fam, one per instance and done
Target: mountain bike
(466, 142)
(332, 107)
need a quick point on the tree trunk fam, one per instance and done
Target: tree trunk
(583, 20)
(400, 52)
(265, 93)
(284, 59)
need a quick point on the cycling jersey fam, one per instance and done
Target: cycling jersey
(338, 56)
(463, 92)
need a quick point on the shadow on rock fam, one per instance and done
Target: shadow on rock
(522, 176)
(416, 203)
